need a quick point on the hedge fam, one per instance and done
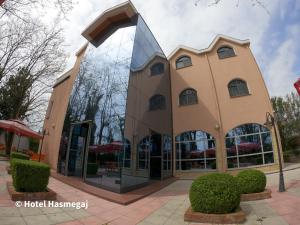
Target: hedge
(19, 155)
(215, 193)
(30, 176)
(251, 181)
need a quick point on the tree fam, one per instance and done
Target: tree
(21, 8)
(288, 119)
(31, 57)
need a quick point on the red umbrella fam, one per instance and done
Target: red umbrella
(107, 148)
(19, 128)
(1, 1)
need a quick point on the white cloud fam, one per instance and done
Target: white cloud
(181, 22)
(280, 74)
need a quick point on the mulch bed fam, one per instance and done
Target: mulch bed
(230, 218)
(29, 196)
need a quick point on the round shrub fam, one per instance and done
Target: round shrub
(214, 193)
(251, 181)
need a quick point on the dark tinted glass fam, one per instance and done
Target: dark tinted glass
(108, 112)
(183, 61)
(225, 52)
(238, 88)
(157, 69)
(188, 97)
(157, 102)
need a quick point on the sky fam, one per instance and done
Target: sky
(274, 32)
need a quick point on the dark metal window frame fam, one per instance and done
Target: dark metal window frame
(238, 88)
(157, 69)
(225, 52)
(183, 61)
(188, 97)
(157, 102)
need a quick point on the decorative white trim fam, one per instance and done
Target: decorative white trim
(62, 77)
(126, 7)
(210, 47)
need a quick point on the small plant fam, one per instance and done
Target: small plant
(19, 155)
(251, 181)
(215, 193)
(30, 176)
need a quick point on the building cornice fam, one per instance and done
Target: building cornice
(210, 47)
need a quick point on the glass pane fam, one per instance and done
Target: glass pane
(230, 147)
(248, 144)
(193, 165)
(252, 160)
(232, 163)
(267, 142)
(269, 158)
(211, 164)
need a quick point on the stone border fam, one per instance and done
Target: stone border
(257, 196)
(29, 196)
(230, 218)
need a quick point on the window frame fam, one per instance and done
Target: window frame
(225, 55)
(188, 103)
(155, 73)
(235, 136)
(238, 89)
(147, 142)
(178, 151)
(162, 102)
(126, 143)
(186, 63)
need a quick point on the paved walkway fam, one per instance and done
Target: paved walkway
(166, 206)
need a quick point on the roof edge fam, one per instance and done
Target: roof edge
(210, 47)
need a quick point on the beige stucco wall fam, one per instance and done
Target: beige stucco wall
(216, 112)
(54, 124)
(139, 120)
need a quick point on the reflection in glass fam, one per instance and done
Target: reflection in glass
(195, 150)
(249, 145)
(107, 113)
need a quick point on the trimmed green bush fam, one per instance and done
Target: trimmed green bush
(30, 176)
(215, 193)
(19, 155)
(251, 181)
(92, 168)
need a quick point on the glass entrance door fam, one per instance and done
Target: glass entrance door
(77, 148)
(155, 156)
(166, 156)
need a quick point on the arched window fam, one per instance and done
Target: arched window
(157, 68)
(127, 153)
(195, 150)
(238, 87)
(225, 52)
(249, 145)
(157, 102)
(188, 97)
(183, 61)
(143, 153)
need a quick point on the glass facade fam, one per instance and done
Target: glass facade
(109, 137)
(195, 150)
(249, 145)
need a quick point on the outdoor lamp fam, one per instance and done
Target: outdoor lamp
(270, 122)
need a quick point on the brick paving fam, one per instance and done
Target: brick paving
(166, 206)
